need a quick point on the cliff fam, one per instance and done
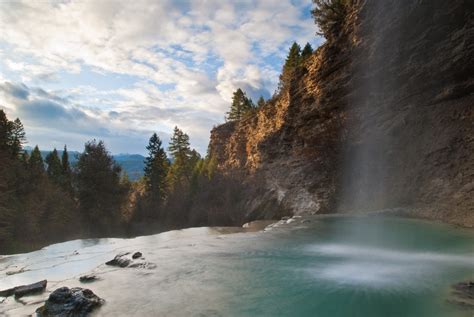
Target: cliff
(381, 116)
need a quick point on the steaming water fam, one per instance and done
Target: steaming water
(331, 266)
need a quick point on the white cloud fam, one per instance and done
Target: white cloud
(183, 59)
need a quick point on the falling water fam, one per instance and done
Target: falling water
(367, 149)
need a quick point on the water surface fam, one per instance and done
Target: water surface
(329, 266)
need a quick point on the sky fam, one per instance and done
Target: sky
(118, 71)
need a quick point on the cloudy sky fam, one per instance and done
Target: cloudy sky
(120, 70)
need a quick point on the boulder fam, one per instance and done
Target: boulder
(463, 294)
(119, 261)
(24, 290)
(75, 302)
(87, 278)
(136, 255)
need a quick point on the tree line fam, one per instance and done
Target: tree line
(48, 200)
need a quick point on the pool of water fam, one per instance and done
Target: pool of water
(315, 266)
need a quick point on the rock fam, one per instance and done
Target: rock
(25, 290)
(7, 292)
(144, 265)
(87, 278)
(463, 293)
(306, 221)
(299, 154)
(136, 255)
(22, 270)
(119, 261)
(75, 302)
(285, 218)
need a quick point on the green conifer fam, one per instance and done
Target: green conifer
(156, 169)
(179, 148)
(241, 105)
(36, 163)
(307, 51)
(54, 169)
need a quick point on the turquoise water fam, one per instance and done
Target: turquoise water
(330, 266)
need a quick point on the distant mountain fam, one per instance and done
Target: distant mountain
(132, 164)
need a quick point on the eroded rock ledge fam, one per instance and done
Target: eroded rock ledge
(380, 117)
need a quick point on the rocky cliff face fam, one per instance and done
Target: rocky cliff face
(382, 116)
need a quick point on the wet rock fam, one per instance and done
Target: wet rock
(136, 255)
(285, 218)
(7, 292)
(463, 293)
(75, 302)
(88, 278)
(306, 221)
(25, 290)
(119, 261)
(22, 270)
(144, 265)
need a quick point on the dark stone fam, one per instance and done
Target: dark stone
(144, 265)
(7, 292)
(119, 261)
(136, 255)
(24, 290)
(75, 302)
(87, 278)
(463, 293)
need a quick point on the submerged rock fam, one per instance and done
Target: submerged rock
(144, 265)
(464, 294)
(76, 302)
(25, 290)
(88, 278)
(22, 270)
(119, 261)
(136, 255)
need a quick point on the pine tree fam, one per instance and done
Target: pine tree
(5, 134)
(329, 15)
(18, 136)
(292, 62)
(211, 166)
(241, 105)
(179, 145)
(7, 177)
(307, 51)
(194, 158)
(36, 164)
(66, 172)
(179, 148)
(156, 169)
(293, 59)
(66, 167)
(260, 102)
(99, 191)
(54, 169)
